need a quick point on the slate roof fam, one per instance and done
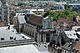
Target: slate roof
(74, 47)
(71, 34)
(67, 46)
(21, 19)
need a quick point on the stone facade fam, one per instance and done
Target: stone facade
(4, 13)
(38, 27)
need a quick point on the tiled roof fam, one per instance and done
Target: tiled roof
(77, 46)
(36, 20)
(62, 22)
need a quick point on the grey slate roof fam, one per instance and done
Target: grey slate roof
(67, 46)
(21, 19)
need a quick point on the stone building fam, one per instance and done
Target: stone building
(36, 26)
(73, 47)
(66, 32)
(4, 12)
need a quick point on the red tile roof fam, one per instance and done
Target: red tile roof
(77, 46)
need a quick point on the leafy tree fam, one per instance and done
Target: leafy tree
(53, 8)
(53, 15)
(39, 13)
(61, 14)
(31, 5)
(70, 16)
(21, 4)
(67, 12)
(47, 13)
(74, 13)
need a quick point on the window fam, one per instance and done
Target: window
(11, 38)
(22, 36)
(74, 34)
(2, 38)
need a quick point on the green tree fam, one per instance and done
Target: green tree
(21, 4)
(70, 16)
(61, 14)
(53, 15)
(53, 8)
(31, 5)
(47, 13)
(74, 13)
(67, 12)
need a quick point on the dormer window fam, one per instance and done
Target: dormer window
(2, 38)
(11, 38)
(74, 34)
(22, 36)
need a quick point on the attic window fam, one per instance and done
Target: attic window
(74, 34)
(2, 38)
(22, 36)
(11, 38)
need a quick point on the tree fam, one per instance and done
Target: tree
(31, 5)
(47, 13)
(67, 12)
(53, 15)
(21, 4)
(70, 16)
(61, 14)
(53, 8)
(74, 13)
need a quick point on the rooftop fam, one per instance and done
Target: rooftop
(36, 20)
(71, 34)
(11, 34)
(21, 19)
(67, 46)
(20, 49)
